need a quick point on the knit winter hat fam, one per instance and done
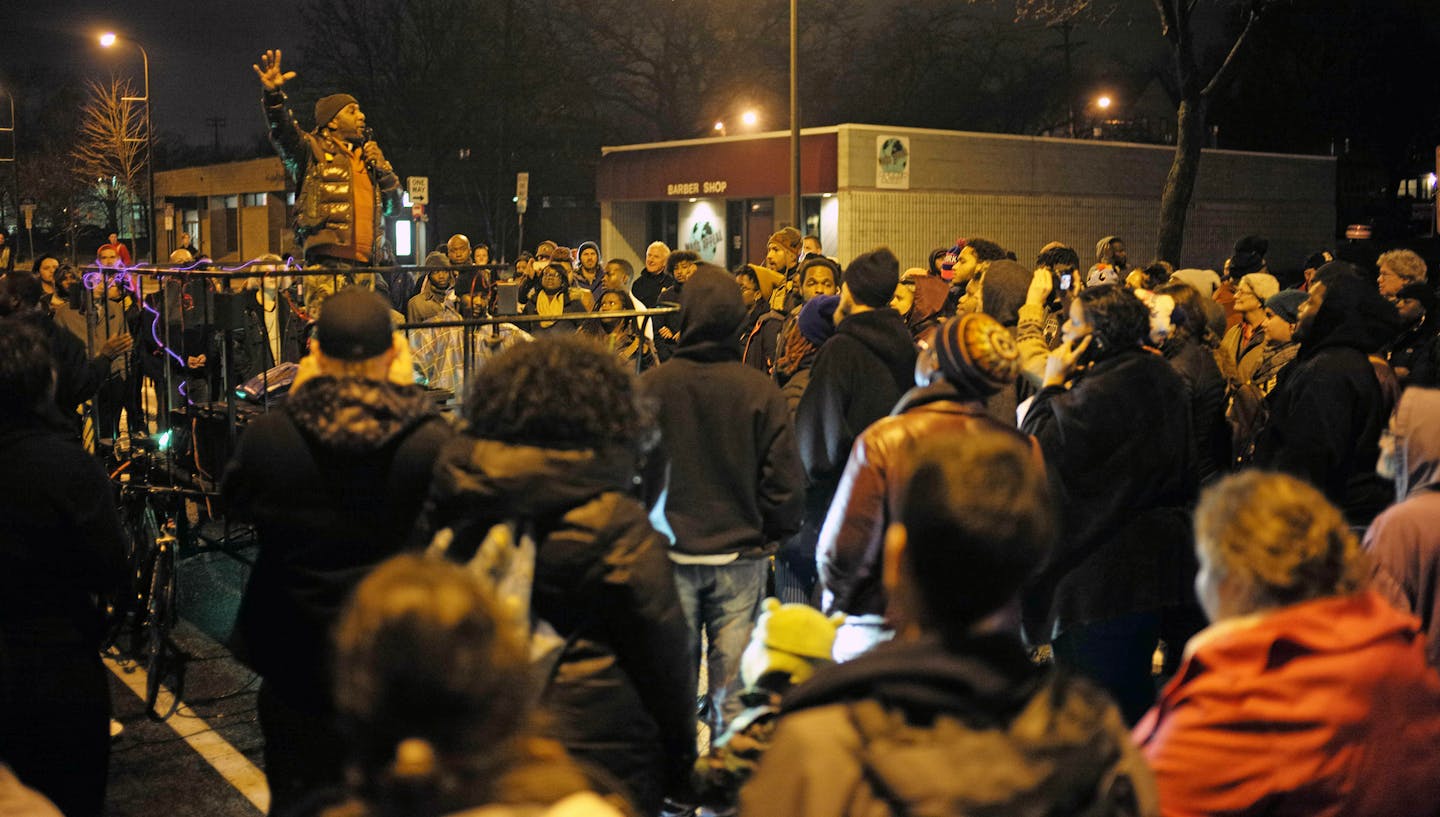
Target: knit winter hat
(1316, 260)
(1249, 255)
(328, 107)
(1286, 304)
(817, 318)
(872, 277)
(1420, 292)
(354, 325)
(787, 238)
(1262, 284)
(977, 354)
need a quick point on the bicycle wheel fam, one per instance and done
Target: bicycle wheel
(147, 536)
(164, 661)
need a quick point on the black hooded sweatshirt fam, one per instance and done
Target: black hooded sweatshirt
(858, 376)
(1327, 410)
(333, 481)
(728, 476)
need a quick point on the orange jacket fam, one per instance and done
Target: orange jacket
(1325, 707)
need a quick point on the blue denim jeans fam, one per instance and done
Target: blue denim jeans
(722, 602)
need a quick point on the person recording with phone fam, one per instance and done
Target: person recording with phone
(1106, 419)
(341, 174)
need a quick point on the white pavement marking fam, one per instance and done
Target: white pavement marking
(230, 762)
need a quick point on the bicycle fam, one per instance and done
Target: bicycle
(144, 619)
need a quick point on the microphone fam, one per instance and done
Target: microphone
(367, 135)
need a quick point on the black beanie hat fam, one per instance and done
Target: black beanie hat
(873, 276)
(1420, 292)
(354, 325)
(329, 106)
(1249, 255)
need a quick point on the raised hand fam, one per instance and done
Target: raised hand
(1064, 360)
(1040, 286)
(269, 71)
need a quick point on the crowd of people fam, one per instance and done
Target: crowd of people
(997, 506)
(1061, 537)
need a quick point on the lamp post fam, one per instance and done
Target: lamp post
(795, 209)
(14, 168)
(108, 40)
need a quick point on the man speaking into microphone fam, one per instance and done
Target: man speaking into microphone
(342, 175)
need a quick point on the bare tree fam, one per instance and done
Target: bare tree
(109, 154)
(1200, 72)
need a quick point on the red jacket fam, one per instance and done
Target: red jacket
(1321, 708)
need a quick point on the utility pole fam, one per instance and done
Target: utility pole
(215, 123)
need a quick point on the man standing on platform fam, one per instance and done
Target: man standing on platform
(340, 172)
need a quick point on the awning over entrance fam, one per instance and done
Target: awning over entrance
(725, 167)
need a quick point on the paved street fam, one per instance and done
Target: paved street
(205, 760)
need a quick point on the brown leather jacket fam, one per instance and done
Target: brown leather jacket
(852, 542)
(320, 165)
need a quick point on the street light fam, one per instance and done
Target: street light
(108, 40)
(1103, 102)
(750, 118)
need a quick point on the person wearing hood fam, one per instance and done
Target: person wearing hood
(1007, 283)
(333, 482)
(1308, 694)
(1415, 354)
(438, 352)
(1404, 551)
(727, 499)
(435, 292)
(555, 432)
(1113, 419)
(920, 300)
(1328, 409)
(952, 717)
(760, 330)
(972, 359)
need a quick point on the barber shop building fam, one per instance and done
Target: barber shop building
(917, 189)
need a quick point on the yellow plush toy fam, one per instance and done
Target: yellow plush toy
(793, 639)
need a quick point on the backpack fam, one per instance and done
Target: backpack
(504, 561)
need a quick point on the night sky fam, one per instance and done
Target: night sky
(200, 53)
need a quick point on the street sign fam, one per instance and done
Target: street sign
(169, 216)
(28, 208)
(419, 188)
(417, 211)
(522, 192)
